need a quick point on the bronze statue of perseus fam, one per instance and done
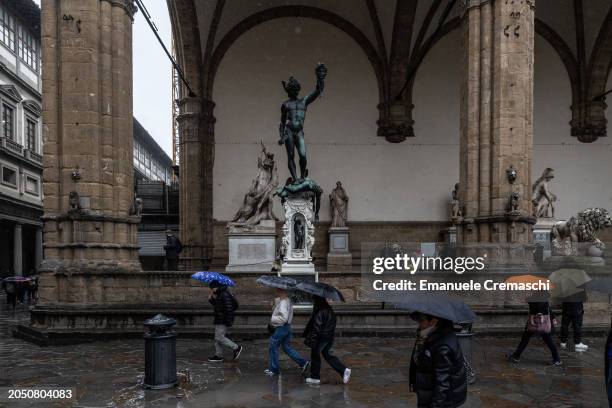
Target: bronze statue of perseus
(293, 114)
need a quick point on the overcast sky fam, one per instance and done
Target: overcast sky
(152, 74)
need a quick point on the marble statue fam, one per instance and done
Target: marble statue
(257, 203)
(580, 228)
(541, 197)
(455, 206)
(338, 203)
(293, 115)
(514, 204)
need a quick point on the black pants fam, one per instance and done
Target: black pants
(172, 264)
(11, 299)
(576, 321)
(547, 339)
(324, 348)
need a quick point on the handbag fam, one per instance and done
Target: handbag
(539, 323)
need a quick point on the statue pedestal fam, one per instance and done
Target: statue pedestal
(251, 248)
(339, 258)
(542, 234)
(298, 237)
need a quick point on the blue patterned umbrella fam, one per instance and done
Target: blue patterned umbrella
(207, 277)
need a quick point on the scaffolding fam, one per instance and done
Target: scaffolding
(175, 97)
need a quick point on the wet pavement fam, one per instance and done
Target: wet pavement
(109, 374)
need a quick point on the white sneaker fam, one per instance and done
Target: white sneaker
(269, 372)
(581, 347)
(563, 346)
(313, 381)
(347, 376)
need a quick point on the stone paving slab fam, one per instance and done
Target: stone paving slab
(109, 374)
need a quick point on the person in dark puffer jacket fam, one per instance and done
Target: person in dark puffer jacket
(224, 305)
(319, 336)
(437, 371)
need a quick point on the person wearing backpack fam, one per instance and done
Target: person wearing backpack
(224, 305)
(437, 371)
(540, 321)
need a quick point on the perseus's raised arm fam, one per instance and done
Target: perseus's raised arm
(321, 72)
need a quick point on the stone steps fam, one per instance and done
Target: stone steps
(63, 325)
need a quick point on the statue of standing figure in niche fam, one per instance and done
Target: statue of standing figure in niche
(299, 233)
(455, 206)
(338, 203)
(293, 115)
(541, 197)
(257, 203)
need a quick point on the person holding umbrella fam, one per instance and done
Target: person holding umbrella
(319, 336)
(280, 325)
(540, 321)
(437, 367)
(224, 305)
(320, 330)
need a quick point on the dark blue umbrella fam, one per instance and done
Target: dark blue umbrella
(320, 289)
(280, 282)
(207, 277)
(437, 305)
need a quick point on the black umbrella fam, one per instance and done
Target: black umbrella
(603, 285)
(279, 282)
(320, 289)
(440, 306)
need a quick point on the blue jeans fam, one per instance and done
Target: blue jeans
(282, 337)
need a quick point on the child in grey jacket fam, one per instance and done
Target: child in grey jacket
(280, 326)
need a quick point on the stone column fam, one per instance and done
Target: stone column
(17, 251)
(87, 133)
(196, 130)
(496, 120)
(38, 248)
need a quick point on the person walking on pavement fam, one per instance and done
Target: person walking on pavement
(540, 321)
(173, 248)
(437, 370)
(224, 306)
(280, 327)
(319, 336)
(572, 312)
(11, 294)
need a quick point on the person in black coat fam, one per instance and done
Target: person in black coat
(173, 248)
(572, 313)
(224, 305)
(437, 371)
(319, 336)
(538, 304)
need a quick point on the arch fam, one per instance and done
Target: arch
(564, 52)
(295, 11)
(186, 37)
(600, 63)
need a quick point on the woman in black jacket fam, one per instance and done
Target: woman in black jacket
(319, 336)
(224, 305)
(437, 371)
(538, 304)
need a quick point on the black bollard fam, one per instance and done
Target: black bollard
(160, 353)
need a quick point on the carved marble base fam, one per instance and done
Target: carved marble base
(251, 248)
(297, 258)
(542, 234)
